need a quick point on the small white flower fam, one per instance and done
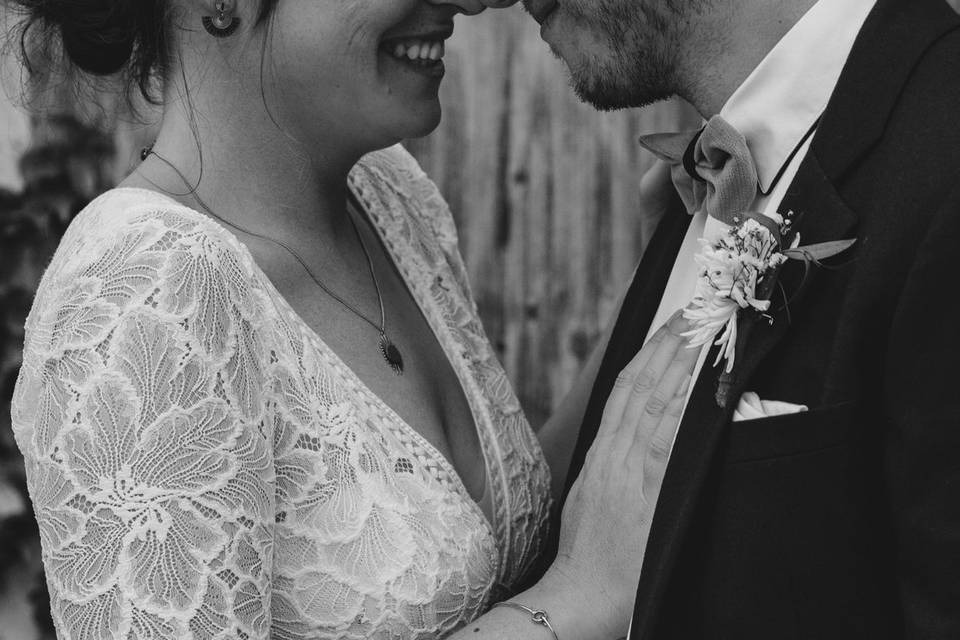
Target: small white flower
(731, 270)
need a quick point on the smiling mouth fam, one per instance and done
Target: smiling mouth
(420, 52)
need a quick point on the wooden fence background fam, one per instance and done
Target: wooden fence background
(545, 193)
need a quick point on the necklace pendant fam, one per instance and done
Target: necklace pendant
(391, 354)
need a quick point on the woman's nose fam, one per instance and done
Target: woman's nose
(473, 7)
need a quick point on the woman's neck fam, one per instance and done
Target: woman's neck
(249, 171)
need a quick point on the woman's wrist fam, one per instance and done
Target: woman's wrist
(576, 606)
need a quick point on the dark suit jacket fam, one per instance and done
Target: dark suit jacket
(843, 522)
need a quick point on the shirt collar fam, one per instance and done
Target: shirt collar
(781, 100)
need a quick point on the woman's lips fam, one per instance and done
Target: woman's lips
(424, 56)
(422, 51)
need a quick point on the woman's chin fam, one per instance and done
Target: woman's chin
(427, 122)
(415, 120)
(413, 89)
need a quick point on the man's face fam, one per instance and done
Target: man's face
(621, 53)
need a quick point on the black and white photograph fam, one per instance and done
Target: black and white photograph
(479, 320)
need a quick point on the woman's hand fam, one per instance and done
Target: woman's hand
(607, 517)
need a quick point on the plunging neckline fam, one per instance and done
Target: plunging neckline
(353, 379)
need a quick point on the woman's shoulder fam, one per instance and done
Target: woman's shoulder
(131, 251)
(126, 228)
(117, 215)
(141, 286)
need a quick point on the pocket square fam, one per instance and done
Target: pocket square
(751, 407)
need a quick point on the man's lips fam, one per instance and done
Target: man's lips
(540, 9)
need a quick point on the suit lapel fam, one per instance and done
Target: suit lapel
(824, 217)
(854, 120)
(639, 307)
(897, 33)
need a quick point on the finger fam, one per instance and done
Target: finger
(674, 326)
(616, 401)
(662, 401)
(657, 455)
(623, 386)
(670, 354)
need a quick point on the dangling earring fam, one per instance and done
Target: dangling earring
(221, 25)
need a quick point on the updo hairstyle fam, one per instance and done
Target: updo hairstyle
(102, 38)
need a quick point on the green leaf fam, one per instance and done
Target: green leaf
(821, 251)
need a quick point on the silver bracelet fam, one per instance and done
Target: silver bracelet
(536, 617)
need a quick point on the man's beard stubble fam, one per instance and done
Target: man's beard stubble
(639, 66)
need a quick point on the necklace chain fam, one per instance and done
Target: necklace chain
(387, 348)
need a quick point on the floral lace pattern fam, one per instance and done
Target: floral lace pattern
(202, 465)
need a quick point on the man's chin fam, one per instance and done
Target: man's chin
(607, 89)
(605, 96)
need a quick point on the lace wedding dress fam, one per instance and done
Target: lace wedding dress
(202, 465)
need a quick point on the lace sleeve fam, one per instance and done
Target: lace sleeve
(148, 458)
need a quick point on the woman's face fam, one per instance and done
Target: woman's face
(361, 71)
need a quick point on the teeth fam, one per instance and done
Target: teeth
(419, 51)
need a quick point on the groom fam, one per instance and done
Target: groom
(817, 495)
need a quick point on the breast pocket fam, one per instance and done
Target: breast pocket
(789, 522)
(793, 434)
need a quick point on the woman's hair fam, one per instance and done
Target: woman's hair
(103, 38)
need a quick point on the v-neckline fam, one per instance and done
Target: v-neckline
(354, 380)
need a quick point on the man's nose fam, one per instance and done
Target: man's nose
(473, 7)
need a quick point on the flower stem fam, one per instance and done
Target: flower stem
(728, 379)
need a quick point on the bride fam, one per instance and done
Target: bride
(256, 399)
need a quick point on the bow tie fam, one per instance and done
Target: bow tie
(712, 168)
